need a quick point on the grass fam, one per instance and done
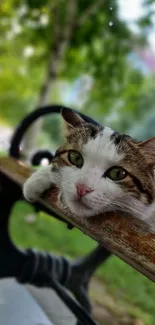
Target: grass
(122, 281)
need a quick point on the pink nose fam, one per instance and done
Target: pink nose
(83, 189)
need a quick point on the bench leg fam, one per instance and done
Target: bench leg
(37, 268)
(10, 257)
(41, 269)
(82, 271)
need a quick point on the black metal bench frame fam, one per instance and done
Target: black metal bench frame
(39, 268)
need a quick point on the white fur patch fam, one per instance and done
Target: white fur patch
(39, 182)
(102, 149)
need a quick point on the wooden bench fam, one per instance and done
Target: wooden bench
(115, 234)
(119, 234)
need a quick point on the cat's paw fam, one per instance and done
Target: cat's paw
(37, 184)
(29, 192)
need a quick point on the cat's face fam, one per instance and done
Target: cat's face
(102, 170)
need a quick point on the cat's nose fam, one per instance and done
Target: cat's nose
(83, 189)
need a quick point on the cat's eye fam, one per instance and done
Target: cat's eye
(75, 158)
(116, 173)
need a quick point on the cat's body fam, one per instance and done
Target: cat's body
(99, 170)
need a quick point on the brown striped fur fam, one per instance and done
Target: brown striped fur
(140, 180)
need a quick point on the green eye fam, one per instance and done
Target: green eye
(116, 173)
(75, 158)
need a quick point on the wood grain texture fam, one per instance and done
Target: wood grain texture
(119, 233)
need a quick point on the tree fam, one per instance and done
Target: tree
(62, 40)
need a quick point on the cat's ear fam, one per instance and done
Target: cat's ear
(71, 119)
(148, 147)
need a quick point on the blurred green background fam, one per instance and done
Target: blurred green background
(98, 57)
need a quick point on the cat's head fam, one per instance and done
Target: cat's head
(103, 170)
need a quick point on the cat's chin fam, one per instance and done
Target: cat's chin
(77, 207)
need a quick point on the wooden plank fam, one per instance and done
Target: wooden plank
(120, 234)
(14, 169)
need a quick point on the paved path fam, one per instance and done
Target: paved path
(54, 308)
(21, 305)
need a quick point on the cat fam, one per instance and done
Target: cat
(99, 170)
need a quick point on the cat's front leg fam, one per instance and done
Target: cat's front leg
(39, 182)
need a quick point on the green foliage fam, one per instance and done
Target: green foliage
(99, 46)
(144, 127)
(53, 127)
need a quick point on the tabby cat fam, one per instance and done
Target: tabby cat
(99, 170)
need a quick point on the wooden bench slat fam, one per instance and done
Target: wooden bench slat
(14, 169)
(120, 234)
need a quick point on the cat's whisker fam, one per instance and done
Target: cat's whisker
(134, 211)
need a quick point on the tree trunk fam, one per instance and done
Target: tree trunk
(58, 49)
